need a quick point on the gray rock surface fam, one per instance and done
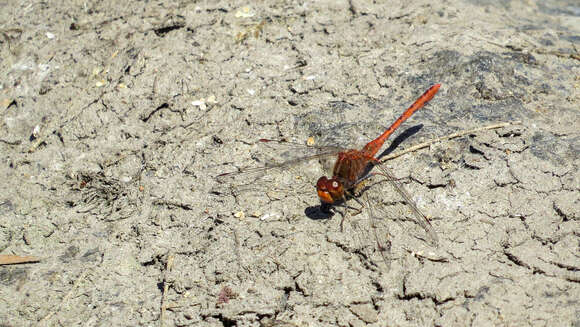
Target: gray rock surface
(117, 116)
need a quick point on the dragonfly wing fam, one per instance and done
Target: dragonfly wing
(293, 154)
(365, 234)
(379, 230)
(418, 215)
(244, 178)
(289, 155)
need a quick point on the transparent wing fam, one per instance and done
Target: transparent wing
(418, 216)
(280, 156)
(380, 232)
(365, 233)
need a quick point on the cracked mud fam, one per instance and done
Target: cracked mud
(116, 117)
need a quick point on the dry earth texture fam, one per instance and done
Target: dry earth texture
(117, 116)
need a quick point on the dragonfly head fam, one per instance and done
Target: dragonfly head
(330, 190)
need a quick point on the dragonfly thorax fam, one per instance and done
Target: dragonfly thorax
(330, 190)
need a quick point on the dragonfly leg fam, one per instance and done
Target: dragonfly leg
(356, 210)
(342, 222)
(346, 213)
(362, 205)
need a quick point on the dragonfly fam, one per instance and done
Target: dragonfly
(352, 169)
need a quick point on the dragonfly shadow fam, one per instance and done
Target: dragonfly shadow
(400, 139)
(319, 212)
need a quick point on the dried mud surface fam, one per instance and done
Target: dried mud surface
(117, 116)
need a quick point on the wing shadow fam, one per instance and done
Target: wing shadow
(400, 139)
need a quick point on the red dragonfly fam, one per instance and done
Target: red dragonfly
(352, 168)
